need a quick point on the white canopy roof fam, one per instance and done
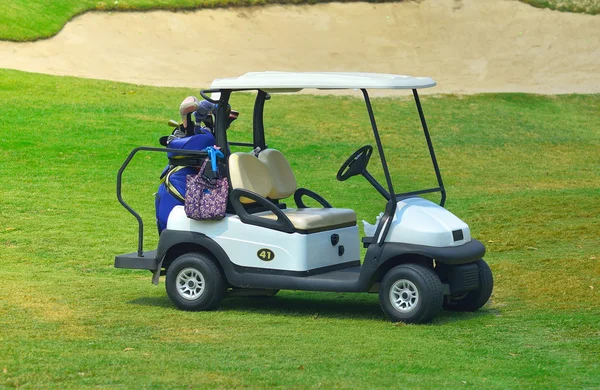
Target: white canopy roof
(295, 81)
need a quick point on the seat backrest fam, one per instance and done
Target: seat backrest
(249, 173)
(283, 181)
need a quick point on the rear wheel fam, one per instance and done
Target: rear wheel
(411, 293)
(474, 299)
(194, 282)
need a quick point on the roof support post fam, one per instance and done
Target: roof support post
(221, 122)
(390, 208)
(430, 146)
(258, 127)
(386, 171)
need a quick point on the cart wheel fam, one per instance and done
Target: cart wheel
(411, 293)
(474, 299)
(195, 283)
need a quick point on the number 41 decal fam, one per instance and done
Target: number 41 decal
(265, 254)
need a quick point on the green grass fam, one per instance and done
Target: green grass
(591, 7)
(27, 20)
(522, 170)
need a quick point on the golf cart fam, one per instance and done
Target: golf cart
(420, 259)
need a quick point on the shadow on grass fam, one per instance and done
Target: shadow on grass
(446, 317)
(303, 305)
(318, 305)
(153, 301)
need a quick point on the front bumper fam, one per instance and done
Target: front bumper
(452, 255)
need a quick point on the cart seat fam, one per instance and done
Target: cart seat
(313, 220)
(283, 181)
(271, 176)
(249, 173)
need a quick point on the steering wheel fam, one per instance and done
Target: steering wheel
(356, 163)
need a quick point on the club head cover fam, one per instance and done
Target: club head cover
(233, 115)
(187, 106)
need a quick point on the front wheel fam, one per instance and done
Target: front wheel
(194, 282)
(411, 293)
(474, 299)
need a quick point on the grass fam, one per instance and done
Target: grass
(27, 20)
(522, 170)
(591, 7)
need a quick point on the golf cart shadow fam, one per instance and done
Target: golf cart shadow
(318, 305)
(322, 305)
(446, 316)
(302, 304)
(152, 301)
(333, 305)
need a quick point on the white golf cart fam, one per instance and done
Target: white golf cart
(420, 259)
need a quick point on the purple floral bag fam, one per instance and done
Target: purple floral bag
(205, 198)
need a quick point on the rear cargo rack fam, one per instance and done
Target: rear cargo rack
(194, 153)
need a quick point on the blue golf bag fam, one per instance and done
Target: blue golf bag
(171, 191)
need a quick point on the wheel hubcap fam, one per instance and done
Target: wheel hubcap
(404, 295)
(190, 284)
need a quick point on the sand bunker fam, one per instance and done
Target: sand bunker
(467, 46)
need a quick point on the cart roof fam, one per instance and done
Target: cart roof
(296, 81)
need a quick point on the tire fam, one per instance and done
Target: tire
(195, 283)
(411, 293)
(474, 299)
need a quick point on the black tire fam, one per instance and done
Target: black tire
(474, 299)
(418, 294)
(194, 282)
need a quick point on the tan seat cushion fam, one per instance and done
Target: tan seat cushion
(271, 176)
(311, 220)
(283, 181)
(249, 173)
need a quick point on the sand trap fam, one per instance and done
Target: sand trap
(467, 46)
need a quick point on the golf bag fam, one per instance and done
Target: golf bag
(193, 134)
(171, 191)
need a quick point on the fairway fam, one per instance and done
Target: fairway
(521, 169)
